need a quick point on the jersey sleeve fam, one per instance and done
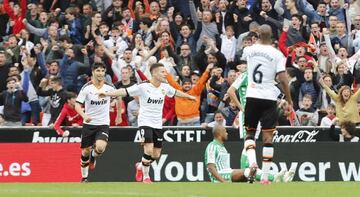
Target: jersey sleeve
(280, 65)
(237, 82)
(245, 53)
(169, 90)
(82, 95)
(134, 90)
(210, 152)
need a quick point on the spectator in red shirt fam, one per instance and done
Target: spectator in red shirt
(114, 113)
(17, 14)
(68, 113)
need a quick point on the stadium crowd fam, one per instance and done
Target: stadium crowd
(47, 48)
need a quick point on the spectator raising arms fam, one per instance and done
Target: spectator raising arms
(345, 101)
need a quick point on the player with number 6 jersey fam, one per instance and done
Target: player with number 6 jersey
(265, 64)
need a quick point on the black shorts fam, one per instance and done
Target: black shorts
(152, 135)
(91, 133)
(261, 110)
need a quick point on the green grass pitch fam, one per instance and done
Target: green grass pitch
(301, 189)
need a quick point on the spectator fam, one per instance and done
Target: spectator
(345, 102)
(73, 26)
(4, 71)
(57, 95)
(17, 13)
(324, 100)
(133, 111)
(310, 86)
(125, 82)
(328, 119)
(187, 111)
(230, 112)
(307, 115)
(169, 111)
(219, 119)
(11, 100)
(70, 70)
(337, 10)
(114, 110)
(347, 131)
(68, 116)
(228, 44)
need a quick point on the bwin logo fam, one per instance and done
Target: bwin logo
(102, 102)
(155, 101)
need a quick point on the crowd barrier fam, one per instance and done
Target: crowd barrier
(30, 154)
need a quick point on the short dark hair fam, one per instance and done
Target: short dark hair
(146, 21)
(10, 79)
(65, 38)
(70, 95)
(218, 112)
(298, 16)
(17, 76)
(321, 2)
(98, 65)
(154, 66)
(52, 61)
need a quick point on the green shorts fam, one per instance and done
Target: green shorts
(225, 174)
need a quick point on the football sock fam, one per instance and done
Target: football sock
(250, 151)
(268, 152)
(84, 166)
(146, 162)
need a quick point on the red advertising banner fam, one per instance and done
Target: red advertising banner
(27, 162)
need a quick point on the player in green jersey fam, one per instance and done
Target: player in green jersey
(217, 160)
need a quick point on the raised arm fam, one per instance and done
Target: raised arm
(34, 30)
(8, 9)
(332, 53)
(23, 8)
(193, 13)
(172, 82)
(331, 93)
(278, 7)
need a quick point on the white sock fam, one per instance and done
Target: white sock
(251, 154)
(268, 153)
(146, 170)
(85, 171)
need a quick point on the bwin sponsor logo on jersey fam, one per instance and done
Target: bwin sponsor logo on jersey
(102, 102)
(155, 101)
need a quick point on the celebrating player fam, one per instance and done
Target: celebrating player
(264, 64)
(95, 132)
(151, 95)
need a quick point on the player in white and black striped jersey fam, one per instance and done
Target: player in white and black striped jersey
(152, 94)
(95, 132)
